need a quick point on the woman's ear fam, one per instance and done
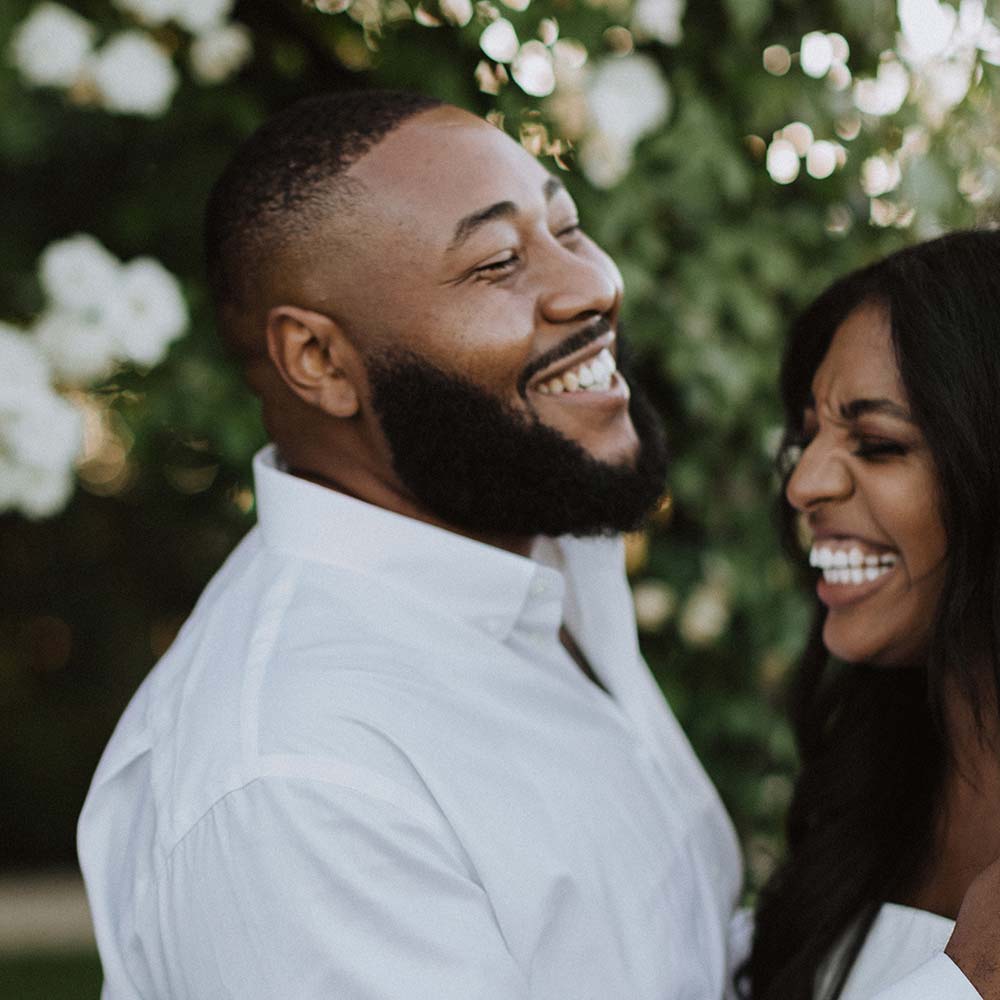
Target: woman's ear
(314, 359)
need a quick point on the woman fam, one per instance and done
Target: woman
(891, 389)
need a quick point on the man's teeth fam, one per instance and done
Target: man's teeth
(591, 376)
(850, 565)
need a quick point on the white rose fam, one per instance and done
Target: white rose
(198, 15)
(34, 491)
(134, 75)
(605, 159)
(151, 12)
(654, 602)
(943, 86)
(40, 433)
(659, 19)
(12, 477)
(499, 41)
(220, 52)
(782, 161)
(41, 430)
(823, 158)
(927, 27)
(147, 311)
(78, 273)
(886, 93)
(533, 71)
(628, 98)
(705, 615)
(457, 11)
(21, 360)
(51, 46)
(80, 348)
(880, 174)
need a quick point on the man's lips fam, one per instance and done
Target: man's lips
(588, 353)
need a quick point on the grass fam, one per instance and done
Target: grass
(50, 977)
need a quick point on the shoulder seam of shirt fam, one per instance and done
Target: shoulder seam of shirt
(282, 770)
(256, 764)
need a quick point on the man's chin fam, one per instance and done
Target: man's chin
(617, 447)
(622, 453)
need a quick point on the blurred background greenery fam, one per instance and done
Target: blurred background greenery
(733, 156)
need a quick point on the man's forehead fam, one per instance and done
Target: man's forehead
(448, 162)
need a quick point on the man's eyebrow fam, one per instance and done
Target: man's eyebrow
(500, 210)
(468, 225)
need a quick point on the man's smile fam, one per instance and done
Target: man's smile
(589, 375)
(595, 374)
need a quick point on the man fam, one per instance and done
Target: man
(405, 745)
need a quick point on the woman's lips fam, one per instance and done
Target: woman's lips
(851, 569)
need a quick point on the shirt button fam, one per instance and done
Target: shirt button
(539, 588)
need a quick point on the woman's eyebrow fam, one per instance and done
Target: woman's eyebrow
(884, 407)
(861, 407)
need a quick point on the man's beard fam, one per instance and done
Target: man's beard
(480, 465)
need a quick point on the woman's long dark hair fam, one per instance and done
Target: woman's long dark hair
(873, 744)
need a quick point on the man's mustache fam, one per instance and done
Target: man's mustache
(570, 345)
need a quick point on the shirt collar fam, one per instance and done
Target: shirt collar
(480, 583)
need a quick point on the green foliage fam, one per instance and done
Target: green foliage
(50, 977)
(716, 258)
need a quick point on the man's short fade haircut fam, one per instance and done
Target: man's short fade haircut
(285, 172)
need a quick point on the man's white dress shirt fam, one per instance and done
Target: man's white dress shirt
(367, 769)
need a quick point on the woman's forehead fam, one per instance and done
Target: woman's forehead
(861, 359)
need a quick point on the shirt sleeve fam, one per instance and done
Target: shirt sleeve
(937, 979)
(292, 887)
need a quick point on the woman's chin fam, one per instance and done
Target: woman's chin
(890, 653)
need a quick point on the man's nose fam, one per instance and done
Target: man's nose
(580, 285)
(821, 475)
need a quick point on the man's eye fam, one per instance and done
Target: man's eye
(571, 230)
(498, 266)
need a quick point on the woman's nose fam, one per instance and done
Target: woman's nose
(820, 475)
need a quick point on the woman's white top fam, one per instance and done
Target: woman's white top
(902, 941)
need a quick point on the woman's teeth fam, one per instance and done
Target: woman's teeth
(591, 376)
(850, 565)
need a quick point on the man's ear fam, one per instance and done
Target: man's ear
(314, 358)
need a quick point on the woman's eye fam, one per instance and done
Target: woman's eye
(878, 448)
(571, 230)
